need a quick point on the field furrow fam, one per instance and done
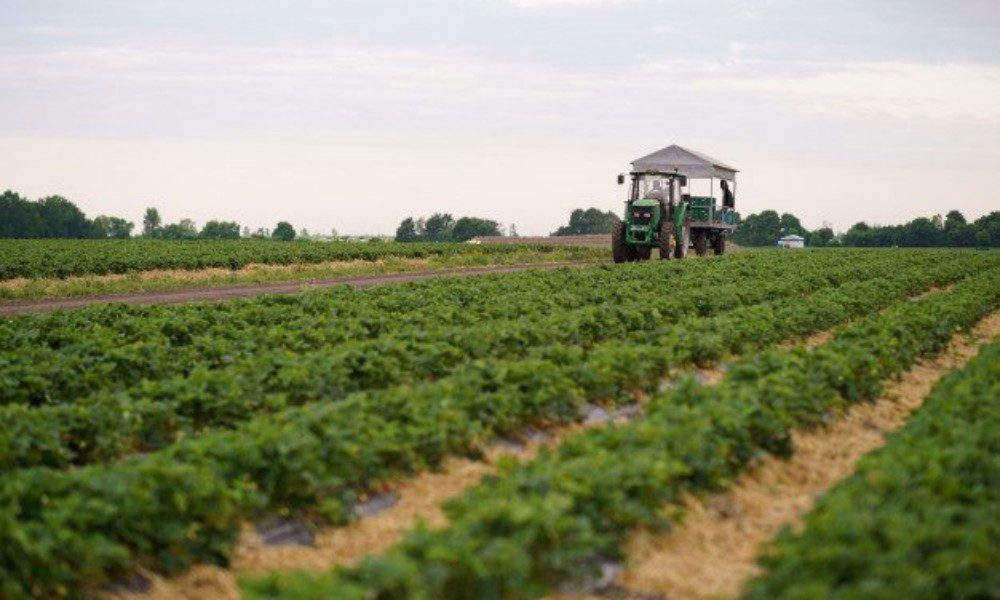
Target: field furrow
(713, 552)
(103, 427)
(563, 514)
(150, 439)
(58, 358)
(418, 499)
(919, 517)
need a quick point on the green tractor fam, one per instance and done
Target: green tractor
(661, 213)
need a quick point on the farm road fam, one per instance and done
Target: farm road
(219, 293)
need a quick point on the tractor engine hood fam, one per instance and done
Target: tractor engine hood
(642, 214)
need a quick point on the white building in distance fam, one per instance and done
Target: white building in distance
(792, 241)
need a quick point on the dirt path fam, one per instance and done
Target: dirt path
(713, 552)
(285, 287)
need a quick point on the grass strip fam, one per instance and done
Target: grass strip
(148, 281)
(63, 258)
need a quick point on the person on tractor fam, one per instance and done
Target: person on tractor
(658, 192)
(728, 199)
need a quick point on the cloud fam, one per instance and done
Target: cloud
(902, 90)
(544, 3)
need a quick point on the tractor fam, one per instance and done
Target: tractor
(661, 213)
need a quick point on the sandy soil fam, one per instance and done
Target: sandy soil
(713, 552)
(420, 498)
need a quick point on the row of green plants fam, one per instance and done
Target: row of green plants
(919, 518)
(60, 358)
(153, 414)
(107, 347)
(63, 529)
(66, 257)
(562, 515)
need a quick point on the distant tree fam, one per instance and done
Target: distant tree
(988, 230)
(442, 227)
(953, 219)
(960, 236)
(439, 227)
(938, 222)
(922, 232)
(513, 231)
(19, 217)
(63, 219)
(283, 231)
(185, 229)
(790, 225)
(860, 235)
(951, 230)
(261, 233)
(467, 228)
(407, 231)
(303, 234)
(333, 233)
(820, 238)
(589, 221)
(246, 231)
(221, 230)
(113, 227)
(763, 229)
(151, 223)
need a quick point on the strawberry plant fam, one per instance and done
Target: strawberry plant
(918, 518)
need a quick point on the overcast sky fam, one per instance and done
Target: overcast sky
(354, 114)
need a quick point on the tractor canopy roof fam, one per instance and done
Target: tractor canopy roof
(677, 159)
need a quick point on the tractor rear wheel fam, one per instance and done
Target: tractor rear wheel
(620, 250)
(683, 241)
(719, 243)
(700, 239)
(667, 239)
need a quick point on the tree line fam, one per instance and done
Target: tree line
(57, 217)
(952, 230)
(54, 217)
(442, 227)
(588, 221)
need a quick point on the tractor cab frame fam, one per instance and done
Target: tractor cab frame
(661, 213)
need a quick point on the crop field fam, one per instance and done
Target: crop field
(38, 269)
(919, 518)
(62, 258)
(144, 446)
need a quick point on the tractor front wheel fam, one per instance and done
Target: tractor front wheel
(683, 241)
(700, 239)
(667, 239)
(620, 250)
(719, 244)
